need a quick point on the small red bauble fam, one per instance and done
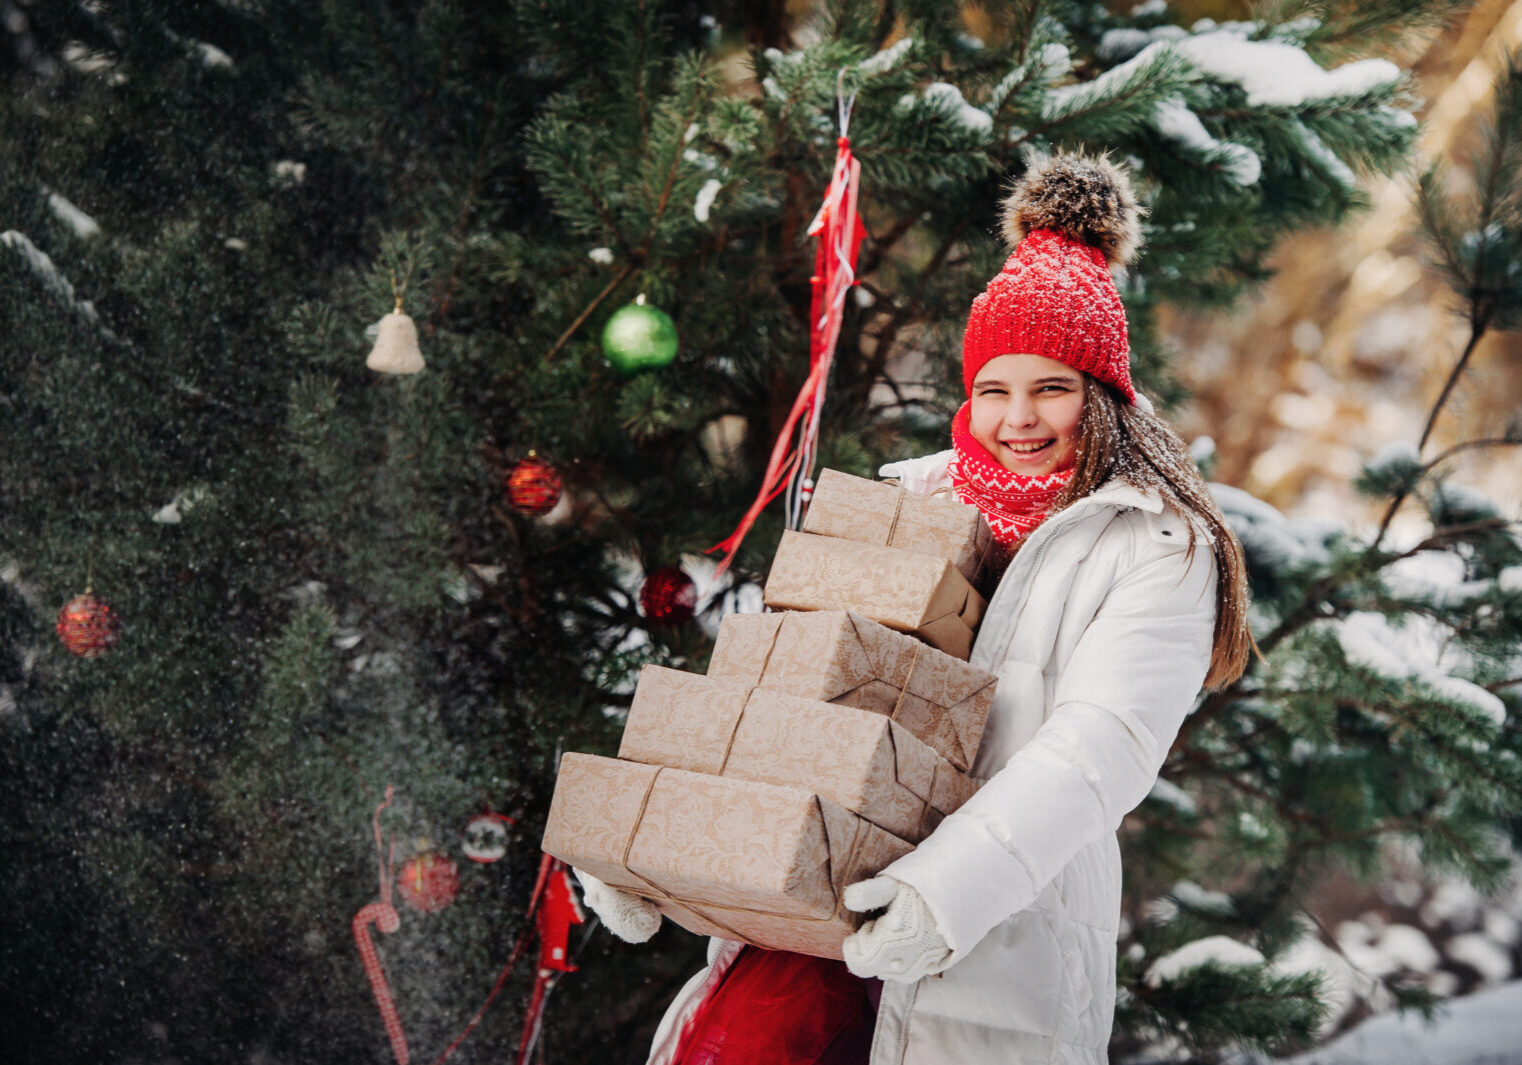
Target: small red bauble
(668, 596)
(428, 882)
(88, 626)
(533, 486)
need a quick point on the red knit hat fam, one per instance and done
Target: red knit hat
(1070, 218)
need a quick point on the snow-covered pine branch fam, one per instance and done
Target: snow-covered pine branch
(80, 223)
(1116, 100)
(41, 267)
(1183, 127)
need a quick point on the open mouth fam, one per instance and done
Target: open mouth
(1025, 449)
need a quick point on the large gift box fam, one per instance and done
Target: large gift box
(749, 861)
(863, 761)
(902, 589)
(839, 657)
(873, 512)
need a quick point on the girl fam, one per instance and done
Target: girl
(995, 938)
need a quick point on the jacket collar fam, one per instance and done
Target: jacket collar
(1118, 493)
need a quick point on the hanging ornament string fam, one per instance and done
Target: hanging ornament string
(400, 290)
(840, 233)
(385, 917)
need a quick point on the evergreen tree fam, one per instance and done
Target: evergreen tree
(323, 590)
(1384, 706)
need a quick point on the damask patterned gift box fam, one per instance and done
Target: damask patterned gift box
(865, 762)
(840, 657)
(759, 863)
(901, 589)
(874, 512)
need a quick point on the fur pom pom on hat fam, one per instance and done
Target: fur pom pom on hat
(1070, 217)
(1087, 200)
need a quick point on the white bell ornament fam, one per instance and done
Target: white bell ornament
(396, 349)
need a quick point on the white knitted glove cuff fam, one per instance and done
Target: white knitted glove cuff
(628, 916)
(903, 944)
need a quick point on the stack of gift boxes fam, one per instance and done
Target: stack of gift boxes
(827, 739)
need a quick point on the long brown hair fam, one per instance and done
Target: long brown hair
(1117, 440)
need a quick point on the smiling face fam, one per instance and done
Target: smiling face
(1025, 411)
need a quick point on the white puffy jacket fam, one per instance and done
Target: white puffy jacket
(1100, 633)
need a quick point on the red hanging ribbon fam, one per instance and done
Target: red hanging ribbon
(840, 233)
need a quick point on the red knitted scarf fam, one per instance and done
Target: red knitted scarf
(1013, 504)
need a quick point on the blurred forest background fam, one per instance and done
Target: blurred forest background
(330, 581)
(1352, 338)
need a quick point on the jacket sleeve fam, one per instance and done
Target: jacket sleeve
(1118, 704)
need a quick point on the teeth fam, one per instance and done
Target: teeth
(1027, 447)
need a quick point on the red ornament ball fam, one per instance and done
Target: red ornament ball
(668, 596)
(88, 626)
(428, 882)
(533, 486)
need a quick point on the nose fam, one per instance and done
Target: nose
(1021, 412)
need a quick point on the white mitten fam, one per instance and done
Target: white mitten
(629, 917)
(904, 943)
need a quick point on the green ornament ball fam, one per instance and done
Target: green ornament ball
(639, 337)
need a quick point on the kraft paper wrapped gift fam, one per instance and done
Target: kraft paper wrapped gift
(873, 512)
(839, 657)
(897, 588)
(756, 862)
(865, 762)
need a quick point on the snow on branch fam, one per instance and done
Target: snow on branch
(1154, 64)
(1273, 73)
(82, 224)
(1268, 537)
(1370, 641)
(48, 275)
(1221, 951)
(1325, 159)
(1169, 794)
(42, 268)
(208, 55)
(1276, 74)
(888, 58)
(1175, 121)
(947, 99)
(706, 195)
(1044, 67)
(1396, 457)
(1438, 578)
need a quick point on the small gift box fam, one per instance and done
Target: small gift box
(904, 590)
(873, 512)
